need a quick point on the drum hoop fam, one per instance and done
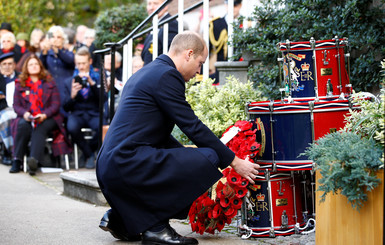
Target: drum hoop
(268, 227)
(286, 162)
(297, 49)
(263, 179)
(335, 47)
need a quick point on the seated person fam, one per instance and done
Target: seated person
(7, 114)
(81, 101)
(118, 82)
(37, 104)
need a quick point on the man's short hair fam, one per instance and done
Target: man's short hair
(188, 40)
(83, 51)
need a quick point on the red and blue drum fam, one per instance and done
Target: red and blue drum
(272, 206)
(287, 128)
(315, 68)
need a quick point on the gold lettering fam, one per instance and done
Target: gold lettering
(261, 206)
(307, 75)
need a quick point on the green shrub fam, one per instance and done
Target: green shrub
(218, 108)
(114, 24)
(348, 160)
(348, 165)
(362, 22)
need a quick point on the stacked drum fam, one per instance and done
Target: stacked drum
(315, 99)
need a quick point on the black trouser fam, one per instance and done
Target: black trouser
(74, 125)
(37, 136)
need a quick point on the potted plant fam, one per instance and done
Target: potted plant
(349, 165)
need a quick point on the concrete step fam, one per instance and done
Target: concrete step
(83, 185)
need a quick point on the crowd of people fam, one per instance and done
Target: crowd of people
(66, 62)
(49, 88)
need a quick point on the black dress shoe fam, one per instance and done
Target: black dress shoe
(167, 236)
(116, 231)
(32, 164)
(15, 166)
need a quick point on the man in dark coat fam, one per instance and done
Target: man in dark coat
(81, 102)
(147, 52)
(146, 175)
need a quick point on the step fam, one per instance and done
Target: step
(83, 185)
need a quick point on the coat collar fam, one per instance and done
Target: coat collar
(167, 59)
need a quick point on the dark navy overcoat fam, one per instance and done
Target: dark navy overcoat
(144, 173)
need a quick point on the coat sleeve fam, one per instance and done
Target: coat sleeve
(54, 103)
(18, 105)
(67, 57)
(67, 102)
(170, 95)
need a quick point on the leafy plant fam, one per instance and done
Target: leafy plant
(362, 22)
(114, 24)
(218, 107)
(27, 15)
(347, 163)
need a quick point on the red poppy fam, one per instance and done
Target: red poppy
(230, 212)
(207, 215)
(220, 225)
(243, 183)
(240, 191)
(226, 172)
(217, 210)
(236, 203)
(225, 202)
(243, 125)
(233, 178)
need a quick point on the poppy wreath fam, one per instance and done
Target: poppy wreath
(207, 215)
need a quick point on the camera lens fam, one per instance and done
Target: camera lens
(84, 82)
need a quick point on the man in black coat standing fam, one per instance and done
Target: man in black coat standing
(146, 175)
(147, 52)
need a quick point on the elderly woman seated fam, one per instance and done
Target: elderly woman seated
(36, 103)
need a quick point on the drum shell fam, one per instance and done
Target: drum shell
(287, 129)
(314, 65)
(284, 192)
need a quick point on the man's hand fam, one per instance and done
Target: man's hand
(245, 168)
(89, 79)
(76, 87)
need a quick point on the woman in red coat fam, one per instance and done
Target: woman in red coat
(36, 103)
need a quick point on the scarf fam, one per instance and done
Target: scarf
(35, 96)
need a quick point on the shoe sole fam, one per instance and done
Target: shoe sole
(32, 164)
(104, 226)
(161, 243)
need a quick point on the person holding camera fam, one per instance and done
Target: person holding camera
(81, 102)
(57, 59)
(36, 103)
